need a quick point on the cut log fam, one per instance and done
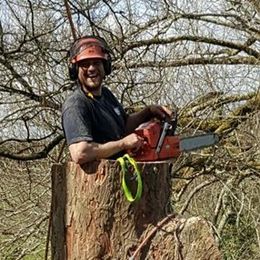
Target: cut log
(91, 218)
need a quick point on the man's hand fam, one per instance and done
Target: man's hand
(132, 142)
(160, 112)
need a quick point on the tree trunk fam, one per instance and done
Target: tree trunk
(91, 218)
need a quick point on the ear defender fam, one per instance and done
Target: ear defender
(73, 71)
(76, 46)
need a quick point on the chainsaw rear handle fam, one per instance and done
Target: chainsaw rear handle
(173, 122)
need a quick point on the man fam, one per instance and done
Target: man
(94, 122)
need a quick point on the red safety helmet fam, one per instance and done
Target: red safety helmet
(88, 48)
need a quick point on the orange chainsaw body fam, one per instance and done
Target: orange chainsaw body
(151, 132)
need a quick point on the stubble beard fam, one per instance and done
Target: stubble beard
(93, 85)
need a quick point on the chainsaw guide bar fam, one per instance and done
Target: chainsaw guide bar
(198, 142)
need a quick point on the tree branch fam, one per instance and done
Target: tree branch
(40, 155)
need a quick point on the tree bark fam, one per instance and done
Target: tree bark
(91, 218)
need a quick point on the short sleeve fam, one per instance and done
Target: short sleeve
(76, 123)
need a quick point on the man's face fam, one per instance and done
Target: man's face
(91, 73)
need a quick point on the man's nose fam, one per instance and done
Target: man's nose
(92, 66)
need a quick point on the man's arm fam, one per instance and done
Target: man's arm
(135, 119)
(83, 152)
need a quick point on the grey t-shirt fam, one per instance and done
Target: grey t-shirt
(99, 119)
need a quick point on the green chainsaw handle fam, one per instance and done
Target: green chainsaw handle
(124, 163)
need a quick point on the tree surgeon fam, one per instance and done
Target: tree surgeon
(95, 124)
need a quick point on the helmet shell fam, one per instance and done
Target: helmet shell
(88, 48)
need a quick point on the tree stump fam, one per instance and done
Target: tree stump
(91, 218)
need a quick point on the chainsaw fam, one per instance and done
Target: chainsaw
(160, 142)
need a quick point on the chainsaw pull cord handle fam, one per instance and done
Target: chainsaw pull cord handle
(125, 161)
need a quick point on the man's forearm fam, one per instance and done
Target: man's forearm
(84, 152)
(135, 119)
